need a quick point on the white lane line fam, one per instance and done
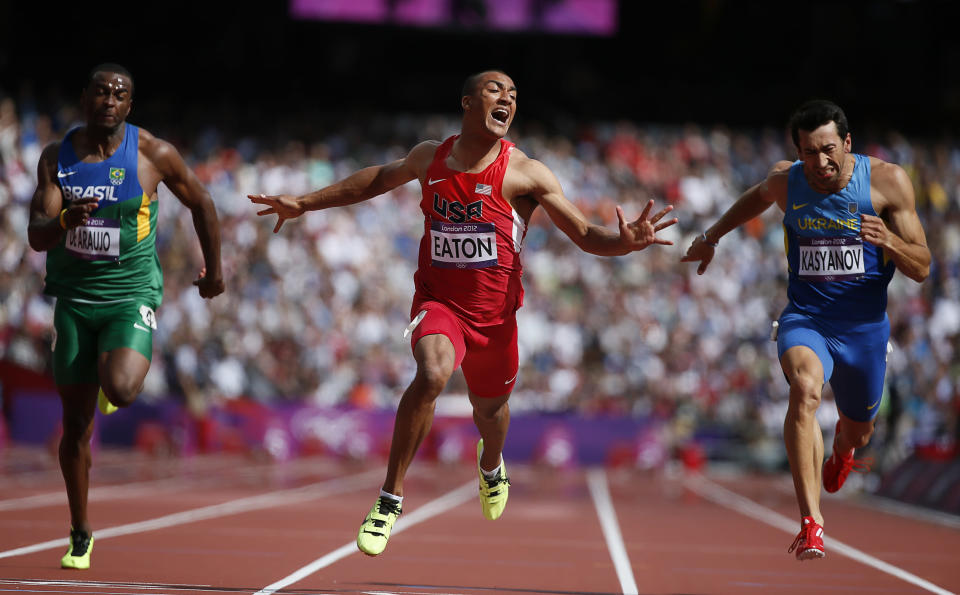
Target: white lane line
(910, 511)
(429, 510)
(885, 504)
(36, 501)
(728, 499)
(99, 494)
(597, 482)
(109, 492)
(268, 500)
(103, 468)
(151, 487)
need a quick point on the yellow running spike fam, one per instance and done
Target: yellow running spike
(493, 492)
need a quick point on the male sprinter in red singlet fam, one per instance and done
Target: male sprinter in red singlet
(95, 214)
(850, 221)
(479, 192)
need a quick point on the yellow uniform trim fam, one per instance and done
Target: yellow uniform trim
(143, 218)
(786, 246)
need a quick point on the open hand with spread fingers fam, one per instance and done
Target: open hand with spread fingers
(638, 234)
(283, 206)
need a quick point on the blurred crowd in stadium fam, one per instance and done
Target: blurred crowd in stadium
(316, 312)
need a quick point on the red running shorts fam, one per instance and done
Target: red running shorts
(487, 354)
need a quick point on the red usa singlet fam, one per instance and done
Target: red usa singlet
(470, 250)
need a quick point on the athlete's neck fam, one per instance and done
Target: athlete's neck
(472, 154)
(100, 142)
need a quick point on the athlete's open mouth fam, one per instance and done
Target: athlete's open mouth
(500, 115)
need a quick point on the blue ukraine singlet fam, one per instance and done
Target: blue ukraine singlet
(833, 273)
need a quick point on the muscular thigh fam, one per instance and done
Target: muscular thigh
(128, 324)
(75, 344)
(800, 330)
(860, 352)
(433, 318)
(492, 363)
(83, 331)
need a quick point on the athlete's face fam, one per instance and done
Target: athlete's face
(824, 154)
(107, 100)
(493, 103)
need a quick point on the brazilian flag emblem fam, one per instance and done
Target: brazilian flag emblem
(116, 175)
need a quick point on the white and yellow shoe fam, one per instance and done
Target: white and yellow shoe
(493, 492)
(375, 530)
(79, 550)
(104, 404)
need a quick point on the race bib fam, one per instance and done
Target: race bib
(463, 245)
(99, 239)
(830, 259)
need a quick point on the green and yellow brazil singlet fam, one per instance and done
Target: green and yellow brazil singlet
(113, 257)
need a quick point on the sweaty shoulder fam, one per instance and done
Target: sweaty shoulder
(420, 156)
(527, 182)
(520, 159)
(47, 165)
(527, 173)
(154, 148)
(883, 172)
(50, 154)
(159, 161)
(892, 183)
(781, 167)
(779, 175)
(774, 187)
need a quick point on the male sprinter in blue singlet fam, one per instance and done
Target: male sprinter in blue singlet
(95, 214)
(849, 221)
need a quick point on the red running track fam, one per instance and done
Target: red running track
(227, 524)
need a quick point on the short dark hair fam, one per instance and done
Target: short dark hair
(815, 113)
(470, 84)
(110, 67)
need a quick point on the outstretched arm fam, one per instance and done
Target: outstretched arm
(358, 187)
(536, 179)
(751, 203)
(904, 241)
(48, 218)
(188, 189)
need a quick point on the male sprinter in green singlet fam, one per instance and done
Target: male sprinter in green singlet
(95, 214)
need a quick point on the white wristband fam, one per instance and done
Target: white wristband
(703, 237)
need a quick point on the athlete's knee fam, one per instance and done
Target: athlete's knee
(489, 410)
(122, 390)
(432, 377)
(805, 392)
(858, 435)
(861, 440)
(77, 426)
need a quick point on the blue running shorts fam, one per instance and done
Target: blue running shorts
(854, 357)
